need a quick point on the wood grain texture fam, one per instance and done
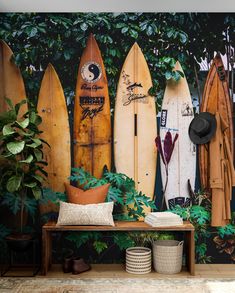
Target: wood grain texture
(92, 122)
(176, 115)
(119, 226)
(11, 81)
(135, 125)
(55, 126)
(216, 98)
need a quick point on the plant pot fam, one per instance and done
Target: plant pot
(19, 242)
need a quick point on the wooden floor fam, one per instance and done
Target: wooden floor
(118, 271)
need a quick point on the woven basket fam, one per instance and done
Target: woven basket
(138, 260)
(167, 256)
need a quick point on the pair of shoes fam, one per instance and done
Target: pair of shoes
(75, 265)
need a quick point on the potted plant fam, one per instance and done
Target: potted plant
(22, 173)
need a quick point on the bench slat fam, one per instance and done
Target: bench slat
(119, 226)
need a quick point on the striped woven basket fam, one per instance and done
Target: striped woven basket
(138, 260)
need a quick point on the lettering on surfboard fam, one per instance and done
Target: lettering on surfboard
(93, 87)
(131, 95)
(221, 73)
(91, 106)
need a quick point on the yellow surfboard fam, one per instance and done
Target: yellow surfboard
(55, 126)
(92, 122)
(11, 81)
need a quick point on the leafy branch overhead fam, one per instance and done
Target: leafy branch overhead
(38, 39)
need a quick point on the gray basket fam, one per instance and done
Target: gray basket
(138, 260)
(167, 256)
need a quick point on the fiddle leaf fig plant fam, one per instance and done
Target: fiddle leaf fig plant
(22, 168)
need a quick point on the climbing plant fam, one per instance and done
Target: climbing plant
(40, 38)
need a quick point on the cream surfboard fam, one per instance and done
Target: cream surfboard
(135, 125)
(11, 81)
(55, 126)
(176, 115)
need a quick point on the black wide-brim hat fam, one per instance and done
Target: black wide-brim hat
(202, 128)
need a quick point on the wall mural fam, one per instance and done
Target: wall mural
(91, 110)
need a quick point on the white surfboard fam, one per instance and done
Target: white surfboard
(135, 125)
(176, 115)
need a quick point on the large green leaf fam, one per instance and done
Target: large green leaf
(23, 123)
(30, 184)
(13, 183)
(15, 147)
(38, 154)
(7, 130)
(37, 192)
(28, 160)
(38, 177)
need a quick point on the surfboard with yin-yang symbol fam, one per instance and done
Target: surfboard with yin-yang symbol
(92, 124)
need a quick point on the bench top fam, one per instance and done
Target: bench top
(119, 226)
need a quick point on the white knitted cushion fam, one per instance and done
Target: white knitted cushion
(89, 214)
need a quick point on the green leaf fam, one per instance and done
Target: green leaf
(36, 142)
(183, 38)
(33, 32)
(15, 147)
(67, 55)
(200, 214)
(84, 26)
(9, 103)
(12, 201)
(38, 154)
(123, 240)
(37, 192)
(227, 230)
(100, 246)
(23, 123)
(28, 160)
(38, 177)
(124, 29)
(30, 185)
(168, 75)
(8, 130)
(13, 183)
(134, 34)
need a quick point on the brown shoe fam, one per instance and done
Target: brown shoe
(79, 266)
(68, 264)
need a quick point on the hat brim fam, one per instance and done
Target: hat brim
(204, 139)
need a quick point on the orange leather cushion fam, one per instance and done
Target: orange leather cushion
(79, 196)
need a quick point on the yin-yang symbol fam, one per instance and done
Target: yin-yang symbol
(91, 72)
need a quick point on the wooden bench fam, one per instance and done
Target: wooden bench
(51, 227)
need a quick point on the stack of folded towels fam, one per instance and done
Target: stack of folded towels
(163, 219)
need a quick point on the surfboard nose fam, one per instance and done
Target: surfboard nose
(178, 66)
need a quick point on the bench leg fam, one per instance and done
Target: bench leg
(46, 251)
(190, 251)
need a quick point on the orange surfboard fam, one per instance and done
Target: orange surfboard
(216, 98)
(11, 81)
(92, 124)
(55, 126)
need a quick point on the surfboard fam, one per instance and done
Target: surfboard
(176, 115)
(11, 81)
(216, 98)
(135, 124)
(55, 126)
(92, 122)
